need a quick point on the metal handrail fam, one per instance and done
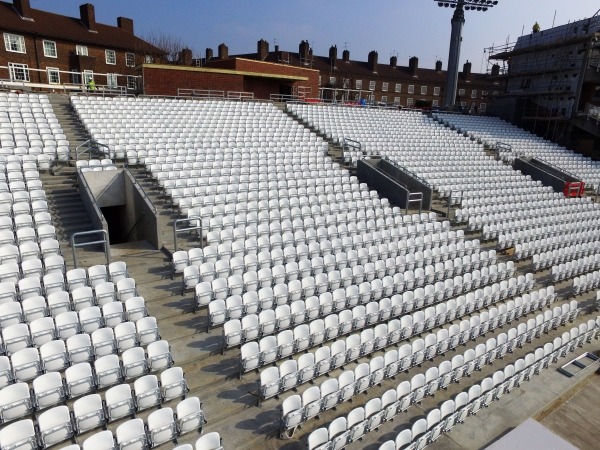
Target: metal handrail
(414, 197)
(141, 189)
(404, 169)
(104, 241)
(176, 230)
(86, 186)
(90, 143)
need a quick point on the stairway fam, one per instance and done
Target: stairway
(71, 126)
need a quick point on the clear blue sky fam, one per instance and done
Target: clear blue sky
(406, 27)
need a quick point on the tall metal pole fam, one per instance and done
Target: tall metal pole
(458, 21)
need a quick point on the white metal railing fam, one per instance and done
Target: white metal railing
(239, 95)
(19, 77)
(201, 93)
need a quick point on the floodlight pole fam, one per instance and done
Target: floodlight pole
(458, 21)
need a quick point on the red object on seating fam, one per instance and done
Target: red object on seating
(574, 189)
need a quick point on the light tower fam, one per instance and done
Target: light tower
(458, 20)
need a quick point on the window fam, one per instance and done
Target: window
(81, 50)
(436, 90)
(411, 88)
(384, 86)
(18, 72)
(473, 93)
(409, 102)
(371, 85)
(130, 59)
(111, 57)
(149, 59)
(461, 92)
(484, 93)
(358, 84)
(14, 43)
(332, 81)
(132, 82)
(384, 98)
(423, 90)
(75, 76)
(50, 49)
(88, 75)
(397, 100)
(463, 104)
(111, 80)
(398, 87)
(495, 93)
(482, 107)
(435, 103)
(53, 75)
(319, 78)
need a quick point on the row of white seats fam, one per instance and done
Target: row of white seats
(304, 336)
(576, 267)
(560, 256)
(299, 408)
(452, 412)
(567, 239)
(58, 425)
(292, 373)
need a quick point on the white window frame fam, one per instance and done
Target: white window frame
(112, 80)
(51, 51)
(398, 87)
(397, 100)
(423, 90)
(110, 60)
(435, 103)
(372, 85)
(411, 88)
(87, 75)
(130, 59)
(75, 76)
(384, 86)
(410, 101)
(149, 59)
(461, 92)
(14, 67)
(50, 71)
(463, 104)
(14, 43)
(384, 98)
(436, 90)
(359, 84)
(132, 86)
(474, 93)
(482, 106)
(81, 50)
(484, 93)
(332, 81)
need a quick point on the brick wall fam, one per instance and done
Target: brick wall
(66, 60)
(158, 81)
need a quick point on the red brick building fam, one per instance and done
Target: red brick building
(229, 76)
(50, 49)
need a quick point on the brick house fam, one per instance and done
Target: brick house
(44, 48)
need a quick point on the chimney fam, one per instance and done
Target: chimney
(413, 65)
(394, 62)
(223, 52)
(185, 57)
(467, 69)
(333, 56)
(373, 61)
(88, 16)
(304, 52)
(125, 24)
(209, 54)
(276, 48)
(495, 70)
(23, 7)
(438, 66)
(262, 50)
(346, 55)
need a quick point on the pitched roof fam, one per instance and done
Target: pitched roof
(51, 25)
(361, 68)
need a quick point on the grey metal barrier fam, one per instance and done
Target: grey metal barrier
(176, 230)
(105, 241)
(415, 197)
